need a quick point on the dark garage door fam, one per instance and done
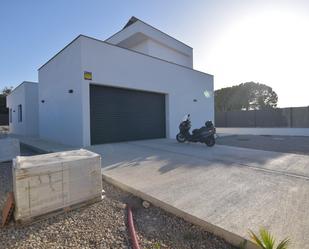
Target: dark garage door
(118, 114)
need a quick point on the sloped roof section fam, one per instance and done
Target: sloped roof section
(135, 26)
(132, 20)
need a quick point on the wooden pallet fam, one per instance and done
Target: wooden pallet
(82, 205)
(8, 209)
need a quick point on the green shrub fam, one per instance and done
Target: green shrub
(267, 241)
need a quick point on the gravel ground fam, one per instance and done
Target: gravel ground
(103, 225)
(6, 176)
(5, 182)
(158, 229)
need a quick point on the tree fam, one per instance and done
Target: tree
(4, 92)
(245, 96)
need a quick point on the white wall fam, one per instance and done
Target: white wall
(17, 97)
(65, 117)
(159, 50)
(32, 109)
(114, 66)
(160, 44)
(142, 47)
(60, 116)
(26, 94)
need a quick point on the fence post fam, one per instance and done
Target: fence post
(291, 117)
(307, 123)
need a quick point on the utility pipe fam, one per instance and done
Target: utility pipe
(132, 232)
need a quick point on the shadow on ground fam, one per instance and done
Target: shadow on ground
(171, 155)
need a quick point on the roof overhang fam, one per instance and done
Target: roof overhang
(139, 30)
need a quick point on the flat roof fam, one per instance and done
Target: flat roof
(24, 82)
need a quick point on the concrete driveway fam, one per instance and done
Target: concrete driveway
(285, 144)
(228, 190)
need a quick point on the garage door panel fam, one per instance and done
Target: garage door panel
(121, 115)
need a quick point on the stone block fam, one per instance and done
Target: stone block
(46, 183)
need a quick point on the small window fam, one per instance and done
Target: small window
(20, 113)
(10, 115)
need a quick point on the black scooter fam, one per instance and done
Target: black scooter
(205, 134)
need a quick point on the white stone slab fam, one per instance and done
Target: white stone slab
(49, 182)
(9, 149)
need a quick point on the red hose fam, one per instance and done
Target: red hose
(132, 232)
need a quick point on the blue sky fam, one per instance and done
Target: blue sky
(236, 41)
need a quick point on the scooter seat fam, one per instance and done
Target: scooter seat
(195, 131)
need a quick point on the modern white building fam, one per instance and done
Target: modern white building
(137, 84)
(23, 109)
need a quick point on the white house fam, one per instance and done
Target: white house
(137, 84)
(23, 109)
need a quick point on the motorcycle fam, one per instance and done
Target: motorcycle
(205, 134)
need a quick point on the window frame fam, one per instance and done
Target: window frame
(10, 115)
(20, 113)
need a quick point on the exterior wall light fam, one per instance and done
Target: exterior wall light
(71, 91)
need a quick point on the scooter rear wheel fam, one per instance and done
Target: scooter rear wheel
(180, 138)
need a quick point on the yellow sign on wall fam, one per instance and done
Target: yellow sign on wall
(87, 75)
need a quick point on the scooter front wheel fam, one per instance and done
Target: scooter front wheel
(210, 141)
(180, 138)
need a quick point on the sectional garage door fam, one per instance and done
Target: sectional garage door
(118, 114)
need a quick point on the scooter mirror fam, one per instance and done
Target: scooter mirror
(186, 117)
